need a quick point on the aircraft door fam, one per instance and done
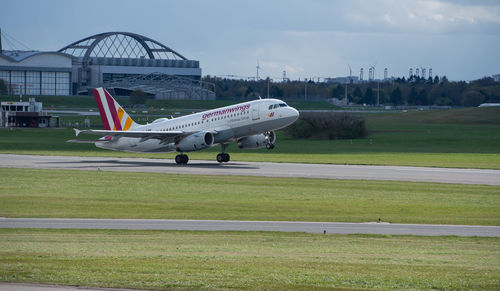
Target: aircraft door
(255, 111)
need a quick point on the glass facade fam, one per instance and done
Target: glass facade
(62, 83)
(17, 85)
(48, 83)
(36, 83)
(32, 83)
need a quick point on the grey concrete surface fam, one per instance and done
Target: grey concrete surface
(233, 225)
(355, 172)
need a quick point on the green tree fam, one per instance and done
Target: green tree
(473, 98)
(368, 98)
(412, 99)
(338, 92)
(357, 95)
(138, 97)
(276, 91)
(422, 98)
(249, 91)
(396, 96)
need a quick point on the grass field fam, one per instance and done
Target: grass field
(256, 260)
(247, 260)
(462, 138)
(98, 194)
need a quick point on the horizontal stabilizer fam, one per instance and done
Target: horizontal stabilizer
(83, 141)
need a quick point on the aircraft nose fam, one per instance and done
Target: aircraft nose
(294, 113)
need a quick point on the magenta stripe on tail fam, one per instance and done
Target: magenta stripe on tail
(101, 109)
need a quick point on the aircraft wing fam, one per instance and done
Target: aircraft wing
(144, 135)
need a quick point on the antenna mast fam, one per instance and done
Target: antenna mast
(258, 68)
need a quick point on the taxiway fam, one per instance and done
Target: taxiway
(238, 225)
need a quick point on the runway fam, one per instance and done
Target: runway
(295, 170)
(233, 225)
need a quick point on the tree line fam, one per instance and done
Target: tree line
(400, 91)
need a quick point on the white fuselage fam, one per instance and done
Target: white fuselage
(227, 124)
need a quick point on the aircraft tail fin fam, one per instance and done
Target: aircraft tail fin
(112, 114)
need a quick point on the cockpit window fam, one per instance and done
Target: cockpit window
(274, 106)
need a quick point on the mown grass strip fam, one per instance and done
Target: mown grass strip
(98, 194)
(247, 260)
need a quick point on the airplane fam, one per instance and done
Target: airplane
(251, 124)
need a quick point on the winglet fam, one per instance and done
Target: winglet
(77, 131)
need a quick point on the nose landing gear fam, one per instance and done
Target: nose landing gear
(270, 138)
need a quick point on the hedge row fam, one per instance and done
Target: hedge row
(329, 125)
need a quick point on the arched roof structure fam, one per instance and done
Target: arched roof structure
(120, 45)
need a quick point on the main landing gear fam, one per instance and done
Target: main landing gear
(223, 157)
(181, 159)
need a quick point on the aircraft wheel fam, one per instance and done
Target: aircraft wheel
(181, 159)
(226, 157)
(220, 158)
(269, 146)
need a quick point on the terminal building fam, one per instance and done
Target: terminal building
(102, 59)
(26, 114)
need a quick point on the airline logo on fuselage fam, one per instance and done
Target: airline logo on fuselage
(234, 109)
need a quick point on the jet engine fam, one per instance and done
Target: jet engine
(266, 139)
(195, 141)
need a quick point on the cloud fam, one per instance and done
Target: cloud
(418, 17)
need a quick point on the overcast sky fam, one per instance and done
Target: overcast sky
(309, 38)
